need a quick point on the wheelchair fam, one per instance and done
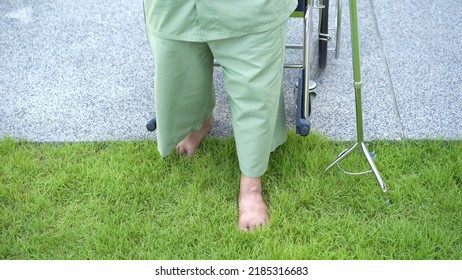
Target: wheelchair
(305, 89)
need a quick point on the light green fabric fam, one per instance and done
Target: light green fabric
(253, 71)
(252, 65)
(206, 20)
(183, 89)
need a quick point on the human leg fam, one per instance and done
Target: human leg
(183, 93)
(252, 67)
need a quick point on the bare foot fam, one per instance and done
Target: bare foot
(252, 209)
(189, 144)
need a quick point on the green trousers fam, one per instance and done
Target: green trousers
(253, 72)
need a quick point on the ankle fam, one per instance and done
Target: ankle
(250, 185)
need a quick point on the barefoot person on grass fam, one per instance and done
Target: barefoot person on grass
(247, 37)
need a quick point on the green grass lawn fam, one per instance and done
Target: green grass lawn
(121, 200)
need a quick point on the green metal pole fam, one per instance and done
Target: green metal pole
(356, 69)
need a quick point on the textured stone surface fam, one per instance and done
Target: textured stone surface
(83, 71)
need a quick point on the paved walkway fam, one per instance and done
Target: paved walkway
(82, 70)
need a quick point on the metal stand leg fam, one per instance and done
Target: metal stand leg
(357, 86)
(342, 156)
(374, 168)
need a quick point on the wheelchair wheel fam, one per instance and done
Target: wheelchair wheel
(323, 37)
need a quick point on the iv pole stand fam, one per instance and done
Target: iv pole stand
(357, 86)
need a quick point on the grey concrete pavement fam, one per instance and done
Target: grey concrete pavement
(82, 71)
